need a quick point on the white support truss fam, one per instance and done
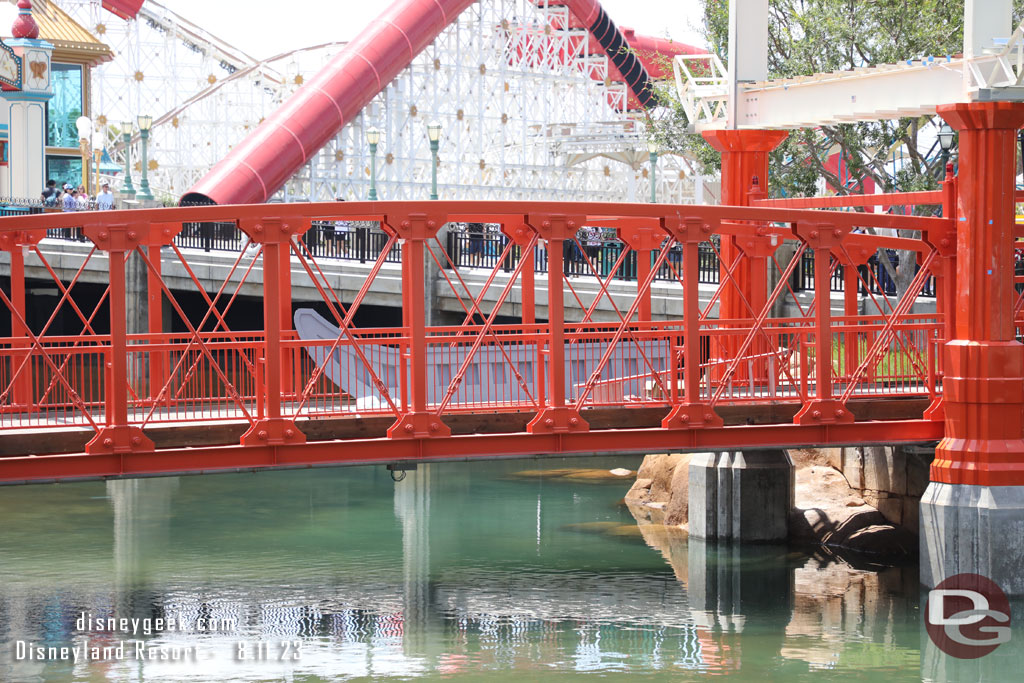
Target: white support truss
(911, 88)
(506, 80)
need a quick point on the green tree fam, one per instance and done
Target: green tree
(811, 36)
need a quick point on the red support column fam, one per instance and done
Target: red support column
(15, 244)
(117, 436)
(22, 393)
(415, 229)
(823, 408)
(744, 156)
(691, 412)
(158, 360)
(851, 259)
(275, 236)
(284, 275)
(984, 365)
(556, 416)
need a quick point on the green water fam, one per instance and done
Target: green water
(460, 571)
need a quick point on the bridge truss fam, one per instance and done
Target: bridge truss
(109, 403)
(528, 111)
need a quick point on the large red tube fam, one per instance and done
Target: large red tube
(262, 163)
(126, 9)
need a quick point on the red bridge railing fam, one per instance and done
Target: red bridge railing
(585, 370)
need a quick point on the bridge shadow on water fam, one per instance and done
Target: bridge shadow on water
(507, 569)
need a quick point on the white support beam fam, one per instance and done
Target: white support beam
(991, 70)
(748, 45)
(866, 95)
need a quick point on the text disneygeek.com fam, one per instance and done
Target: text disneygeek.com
(103, 648)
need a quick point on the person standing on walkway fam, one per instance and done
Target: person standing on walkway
(50, 194)
(105, 199)
(70, 199)
(342, 229)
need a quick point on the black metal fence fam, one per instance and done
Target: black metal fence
(363, 242)
(873, 276)
(484, 250)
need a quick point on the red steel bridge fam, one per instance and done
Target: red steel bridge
(112, 402)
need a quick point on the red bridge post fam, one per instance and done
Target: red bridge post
(744, 157)
(117, 436)
(556, 416)
(973, 510)
(275, 234)
(15, 244)
(415, 229)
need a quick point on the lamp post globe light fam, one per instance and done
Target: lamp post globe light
(652, 150)
(127, 188)
(145, 123)
(373, 137)
(84, 126)
(434, 135)
(945, 142)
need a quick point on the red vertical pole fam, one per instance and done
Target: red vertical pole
(850, 350)
(643, 269)
(690, 413)
(744, 156)
(823, 324)
(528, 296)
(158, 360)
(23, 384)
(117, 392)
(415, 230)
(984, 365)
(272, 428)
(416, 304)
(556, 323)
(691, 323)
(272, 326)
(284, 277)
(555, 415)
(823, 408)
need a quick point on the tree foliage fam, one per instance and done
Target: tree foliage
(811, 36)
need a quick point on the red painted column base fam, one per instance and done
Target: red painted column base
(983, 395)
(691, 416)
(827, 411)
(273, 431)
(123, 439)
(555, 419)
(418, 426)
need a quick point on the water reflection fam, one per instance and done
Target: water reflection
(459, 568)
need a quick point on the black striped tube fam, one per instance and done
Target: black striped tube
(611, 39)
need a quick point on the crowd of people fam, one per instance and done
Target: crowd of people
(69, 198)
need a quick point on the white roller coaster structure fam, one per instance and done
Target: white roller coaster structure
(528, 111)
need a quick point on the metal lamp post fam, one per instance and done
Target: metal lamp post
(84, 126)
(99, 140)
(945, 143)
(652, 149)
(145, 123)
(373, 137)
(434, 135)
(126, 134)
